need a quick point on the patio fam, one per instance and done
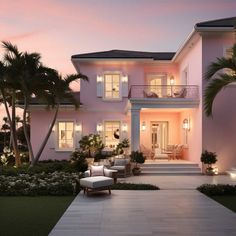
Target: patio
(177, 210)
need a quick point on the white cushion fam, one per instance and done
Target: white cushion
(96, 182)
(97, 170)
(108, 172)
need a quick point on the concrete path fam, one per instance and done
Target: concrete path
(126, 213)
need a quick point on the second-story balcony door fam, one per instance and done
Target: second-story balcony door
(155, 82)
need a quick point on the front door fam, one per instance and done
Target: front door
(159, 134)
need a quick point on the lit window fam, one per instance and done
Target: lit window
(112, 86)
(65, 135)
(112, 133)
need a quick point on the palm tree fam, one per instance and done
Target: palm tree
(222, 79)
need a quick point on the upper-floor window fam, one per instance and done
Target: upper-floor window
(65, 135)
(112, 86)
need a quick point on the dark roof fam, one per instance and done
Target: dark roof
(226, 22)
(35, 101)
(123, 54)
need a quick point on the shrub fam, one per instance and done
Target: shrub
(131, 186)
(56, 184)
(78, 161)
(208, 158)
(217, 189)
(137, 157)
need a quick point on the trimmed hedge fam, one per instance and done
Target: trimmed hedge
(217, 189)
(131, 186)
(54, 184)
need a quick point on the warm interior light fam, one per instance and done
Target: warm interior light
(78, 127)
(172, 80)
(125, 78)
(186, 124)
(143, 127)
(99, 127)
(99, 78)
(124, 127)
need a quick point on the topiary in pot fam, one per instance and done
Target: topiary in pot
(209, 158)
(138, 158)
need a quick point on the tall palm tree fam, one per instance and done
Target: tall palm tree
(219, 80)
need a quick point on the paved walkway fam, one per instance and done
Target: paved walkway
(167, 212)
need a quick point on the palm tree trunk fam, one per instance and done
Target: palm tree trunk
(13, 131)
(46, 138)
(12, 126)
(31, 153)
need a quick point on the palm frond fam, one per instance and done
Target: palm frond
(13, 49)
(221, 63)
(214, 87)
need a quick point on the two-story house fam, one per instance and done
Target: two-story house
(154, 99)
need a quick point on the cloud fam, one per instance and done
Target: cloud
(22, 36)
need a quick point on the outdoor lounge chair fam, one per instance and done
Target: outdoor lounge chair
(98, 178)
(123, 166)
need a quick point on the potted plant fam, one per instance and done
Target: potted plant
(209, 158)
(122, 147)
(137, 158)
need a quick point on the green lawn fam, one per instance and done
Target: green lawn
(227, 201)
(31, 216)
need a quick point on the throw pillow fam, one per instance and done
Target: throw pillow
(97, 170)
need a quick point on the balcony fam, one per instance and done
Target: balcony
(169, 96)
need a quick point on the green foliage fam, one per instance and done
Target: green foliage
(91, 144)
(208, 157)
(21, 136)
(54, 184)
(131, 186)
(78, 161)
(120, 146)
(219, 81)
(137, 157)
(217, 189)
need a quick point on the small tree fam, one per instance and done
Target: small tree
(91, 144)
(209, 158)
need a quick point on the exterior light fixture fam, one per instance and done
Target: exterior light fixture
(124, 127)
(99, 78)
(143, 126)
(78, 127)
(172, 80)
(53, 128)
(216, 170)
(186, 125)
(99, 128)
(125, 78)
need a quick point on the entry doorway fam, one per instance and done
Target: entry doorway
(159, 134)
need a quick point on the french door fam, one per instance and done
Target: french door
(159, 134)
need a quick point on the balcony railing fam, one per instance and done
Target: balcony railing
(164, 91)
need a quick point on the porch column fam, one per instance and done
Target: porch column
(135, 129)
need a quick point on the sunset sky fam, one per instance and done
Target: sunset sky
(59, 28)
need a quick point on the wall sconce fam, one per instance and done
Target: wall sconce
(124, 127)
(54, 128)
(172, 80)
(99, 128)
(143, 126)
(186, 124)
(78, 127)
(125, 78)
(99, 78)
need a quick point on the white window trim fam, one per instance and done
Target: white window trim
(185, 70)
(104, 130)
(120, 87)
(57, 149)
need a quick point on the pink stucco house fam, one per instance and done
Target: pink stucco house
(154, 99)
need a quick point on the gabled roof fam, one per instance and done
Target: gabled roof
(65, 101)
(226, 22)
(124, 54)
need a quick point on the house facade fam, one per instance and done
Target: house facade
(154, 99)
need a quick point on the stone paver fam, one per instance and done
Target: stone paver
(165, 212)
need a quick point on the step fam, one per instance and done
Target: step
(170, 168)
(170, 165)
(171, 173)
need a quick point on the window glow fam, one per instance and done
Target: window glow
(112, 86)
(112, 133)
(65, 134)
